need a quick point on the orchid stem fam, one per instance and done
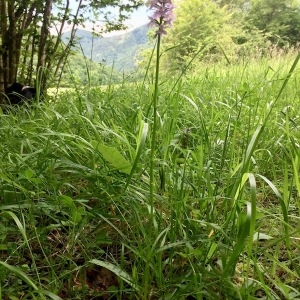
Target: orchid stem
(154, 130)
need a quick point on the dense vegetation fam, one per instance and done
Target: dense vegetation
(76, 220)
(230, 29)
(182, 183)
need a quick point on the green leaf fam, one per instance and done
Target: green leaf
(20, 274)
(258, 236)
(50, 295)
(28, 174)
(68, 201)
(114, 157)
(3, 247)
(17, 221)
(141, 141)
(116, 270)
(239, 246)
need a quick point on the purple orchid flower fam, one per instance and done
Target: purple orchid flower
(162, 16)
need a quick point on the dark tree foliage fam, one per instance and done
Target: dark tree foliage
(279, 20)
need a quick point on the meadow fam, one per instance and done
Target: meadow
(77, 220)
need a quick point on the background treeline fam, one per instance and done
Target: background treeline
(203, 32)
(230, 30)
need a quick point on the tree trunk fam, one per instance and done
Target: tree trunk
(3, 49)
(11, 44)
(3, 29)
(2, 89)
(63, 58)
(43, 44)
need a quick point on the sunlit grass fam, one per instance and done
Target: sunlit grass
(75, 210)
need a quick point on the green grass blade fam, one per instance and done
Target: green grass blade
(141, 141)
(20, 274)
(116, 270)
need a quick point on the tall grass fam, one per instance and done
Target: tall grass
(76, 217)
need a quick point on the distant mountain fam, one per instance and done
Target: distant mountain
(119, 50)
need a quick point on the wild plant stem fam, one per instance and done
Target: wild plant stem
(152, 167)
(154, 130)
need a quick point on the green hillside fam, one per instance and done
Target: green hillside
(119, 50)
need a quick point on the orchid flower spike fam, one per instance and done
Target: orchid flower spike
(162, 16)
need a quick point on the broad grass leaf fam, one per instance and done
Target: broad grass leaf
(141, 141)
(259, 236)
(68, 201)
(114, 157)
(28, 173)
(116, 270)
(192, 102)
(50, 295)
(20, 274)
(239, 246)
(18, 223)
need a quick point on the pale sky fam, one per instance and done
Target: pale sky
(138, 17)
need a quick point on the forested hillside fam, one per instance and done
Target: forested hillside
(120, 50)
